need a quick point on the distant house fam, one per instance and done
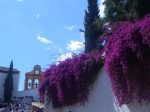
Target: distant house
(32, 81)
(3, 74)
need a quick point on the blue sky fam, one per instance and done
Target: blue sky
(38, 31)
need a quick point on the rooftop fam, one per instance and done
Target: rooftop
(6, 70)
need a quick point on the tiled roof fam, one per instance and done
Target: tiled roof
(6, 70)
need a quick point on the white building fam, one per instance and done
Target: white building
(3, 74)
(100, 99)
(30, 92)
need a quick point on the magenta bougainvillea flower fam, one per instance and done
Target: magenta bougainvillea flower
(68, 82)
(127, 61)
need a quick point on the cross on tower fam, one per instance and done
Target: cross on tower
(36, 85)
(33, 78)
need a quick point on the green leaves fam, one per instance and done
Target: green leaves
(92, 25)
(122, 10)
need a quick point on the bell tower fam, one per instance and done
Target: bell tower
(33, 78)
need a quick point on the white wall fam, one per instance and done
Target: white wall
(31, 92)
(101, 99)
(2, 81)
(16, 78)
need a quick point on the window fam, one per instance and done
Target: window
(36, 83)
(29, 84)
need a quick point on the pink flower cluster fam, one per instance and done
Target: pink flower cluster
(127, 61)
(68, 82)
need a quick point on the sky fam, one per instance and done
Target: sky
(39, 32)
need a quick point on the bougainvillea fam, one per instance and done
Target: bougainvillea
(127, 61)
(68, 82)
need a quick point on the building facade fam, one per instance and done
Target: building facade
(3, 74)
(33, 78)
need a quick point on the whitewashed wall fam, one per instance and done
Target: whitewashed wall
(16, 78)
(101, 99)
(2, 81)
(31, 92)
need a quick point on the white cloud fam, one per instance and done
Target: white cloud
(102, 7)
(60, 50)
(43, 40)
(48, 48)
(70, 28)
(20, 0)
(63, 57)
(75, 46)
(52, 47)
(37, 15)
(82, 35)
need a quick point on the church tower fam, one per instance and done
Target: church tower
(33, 78)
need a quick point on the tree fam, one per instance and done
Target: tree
(114, 10)
(125, 10)
(92, 25)
(8, 85)
(137, 8)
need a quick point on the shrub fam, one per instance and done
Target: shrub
(68, 82)
(127, 61)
